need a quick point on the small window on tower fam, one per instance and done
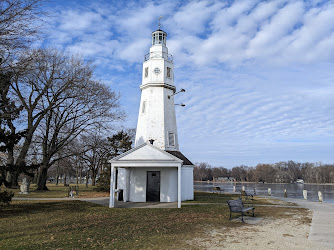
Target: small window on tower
(160, 38)
(146, 72)
(169, 72)
(143, 108)
(171, 139)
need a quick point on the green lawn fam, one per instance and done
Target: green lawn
(59, 191)
(76, 224)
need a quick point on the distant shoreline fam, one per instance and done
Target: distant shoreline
(244, 182)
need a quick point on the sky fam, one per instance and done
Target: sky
(259, 75)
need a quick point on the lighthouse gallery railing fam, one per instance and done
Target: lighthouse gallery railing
(166, 56)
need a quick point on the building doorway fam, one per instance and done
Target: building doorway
(153, 186)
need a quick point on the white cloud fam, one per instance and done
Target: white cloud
(258, 74)
(281, 24)
(192, 18)
(73, 20)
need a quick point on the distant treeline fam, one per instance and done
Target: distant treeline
(280, 172)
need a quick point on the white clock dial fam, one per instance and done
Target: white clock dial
(157, 71)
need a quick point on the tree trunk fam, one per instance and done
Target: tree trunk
(87, 178)
(11, 176)
(93, 177)
(42, 178)
(35, 176)
(77, 174)
(57, 179)
(11, 180)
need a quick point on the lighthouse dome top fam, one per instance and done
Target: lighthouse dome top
(159, 37)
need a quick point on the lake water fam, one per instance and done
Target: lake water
(293, 190)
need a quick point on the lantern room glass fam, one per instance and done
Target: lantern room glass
(159, 37)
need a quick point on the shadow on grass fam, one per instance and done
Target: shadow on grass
(26, 208)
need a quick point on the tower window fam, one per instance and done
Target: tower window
(143, 107)
(160, 38)
(146, 72)
(171, 139)
(169, 72)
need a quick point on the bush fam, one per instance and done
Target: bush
(103, 183)
(6, 197)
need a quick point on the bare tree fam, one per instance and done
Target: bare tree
(240, 173)
(18, 26)
(30, 86)
(58, 96)
(96, 148)
(265, 173)
(9, 136)
(82, 105)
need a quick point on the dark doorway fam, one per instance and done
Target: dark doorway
(153, 186)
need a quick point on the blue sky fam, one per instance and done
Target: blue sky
(259, 75)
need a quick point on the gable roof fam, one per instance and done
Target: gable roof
(148, 152)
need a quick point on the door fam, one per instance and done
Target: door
(153, 186)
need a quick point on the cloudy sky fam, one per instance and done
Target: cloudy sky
(259, 75)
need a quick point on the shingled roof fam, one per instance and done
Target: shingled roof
(179, 155)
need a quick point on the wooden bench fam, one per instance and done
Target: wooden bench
(236, 206)
(217, 189)
(246, 195)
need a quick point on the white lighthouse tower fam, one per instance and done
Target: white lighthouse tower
(155, 170)
(156, 119)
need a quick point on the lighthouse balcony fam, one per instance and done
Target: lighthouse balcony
(158, 54)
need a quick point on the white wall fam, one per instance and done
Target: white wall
(187, 187)
(159, 116)
(121, 178)
(158, 119)
(135, 191)
(168, 184)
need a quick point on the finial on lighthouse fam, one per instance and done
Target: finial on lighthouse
(159, 36)
(159, 21)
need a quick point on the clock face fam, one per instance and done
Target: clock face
(157, 71)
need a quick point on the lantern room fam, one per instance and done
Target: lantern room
(159, 37)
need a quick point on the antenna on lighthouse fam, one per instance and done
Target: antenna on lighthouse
(159, 21)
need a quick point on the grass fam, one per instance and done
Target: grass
(203, 197)
(59, 191)
(76, 224)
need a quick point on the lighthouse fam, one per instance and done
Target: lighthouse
(154, 170)
(156, 118)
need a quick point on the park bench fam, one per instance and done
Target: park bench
(237, 206)
(217, 189)
(246, 195)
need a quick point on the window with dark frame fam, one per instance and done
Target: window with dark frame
(169, 72)
(146, 72)
(171, 139)
(143, 108)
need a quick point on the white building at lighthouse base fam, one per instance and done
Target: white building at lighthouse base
(147, 173)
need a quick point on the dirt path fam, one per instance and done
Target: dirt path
(258, 233)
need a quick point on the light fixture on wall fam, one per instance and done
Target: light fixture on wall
(181, 104)
(181, 90)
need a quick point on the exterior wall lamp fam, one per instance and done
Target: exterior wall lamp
(181, 90)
